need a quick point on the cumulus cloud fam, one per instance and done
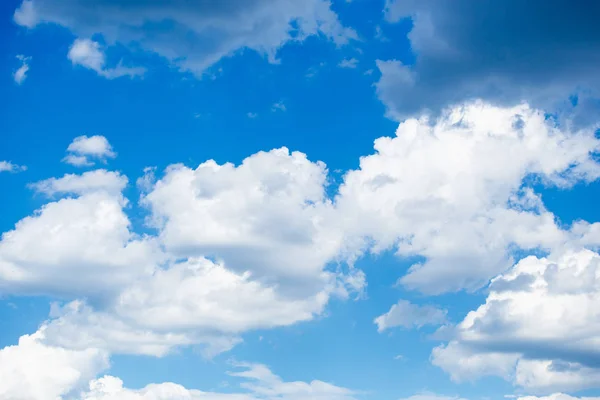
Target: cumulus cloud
(194, 302)
(21, 73)
(85, 240)
(91, 181)
(7, 166)
(450, 191)
(266, 233)
(31, 370)
(89, 54)
(504, 52)
(539, 326)
(201, 33)
(84, 150)
(269, 215)
(408, 315)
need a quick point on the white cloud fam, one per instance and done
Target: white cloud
(251, 115)
(279, 106)
(86, 241)
(408, 315)
(557, 396)
(84, 150)
(194, 302)
(89, 54)
(269, 215)
(91, 181)
(539, 326)
(202, 34)
(21, 73)
(7, 166)
(431, 396)
(450, 191)
(348, 63)
(34, 371)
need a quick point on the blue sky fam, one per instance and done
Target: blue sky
(285, 200)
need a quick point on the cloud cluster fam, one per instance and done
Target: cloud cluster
(192, 36)
(451, 191)
(262, 244)
(539, 326)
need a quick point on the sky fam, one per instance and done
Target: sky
(294, 200)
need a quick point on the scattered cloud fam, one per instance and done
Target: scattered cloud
(348, 63)
(84, 151)
(7, 166)
(89, 54)
(21, 73)
(408, 315)
(54, 372)
(251, 115)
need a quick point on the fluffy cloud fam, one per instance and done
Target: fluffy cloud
(199, 34)
(194, 302)
(269, 215)
(504, 52)
(451, 191)
(409, 315)
(89, 54)
(83, 151)
(539, 326)
(149, 294)
(85, 240)
(7, 166)
(91, 181)
(21, 73)
(34, 371)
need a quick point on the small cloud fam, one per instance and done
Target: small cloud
(252, 115)
(21, 73)
(379, 34)
(89, 54)
(7, 166)
(368, 72)
(83, 150)
(348, 63)
(279, 106)
(312, 71)
(201, 115)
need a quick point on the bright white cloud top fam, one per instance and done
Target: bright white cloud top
(450, 191)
